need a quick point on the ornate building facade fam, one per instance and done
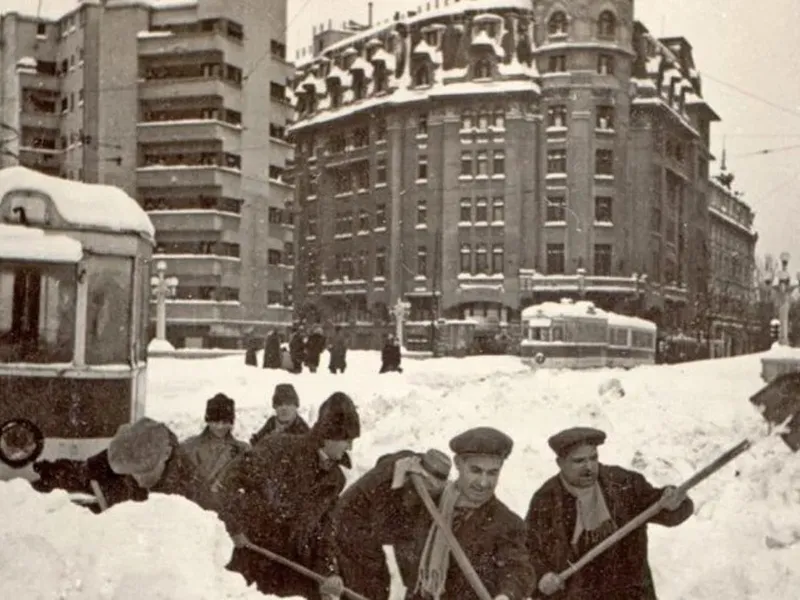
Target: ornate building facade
(486, 155)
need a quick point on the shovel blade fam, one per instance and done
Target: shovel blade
(779, 402)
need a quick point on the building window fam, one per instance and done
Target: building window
(602, 260)
(380, 131)
(422, 167)
(602, 209)
(481, 210)
(273, 256)
(277, 92)
(465, 214)
(422, 76)
(361, 177)
(481, 259)
(605, 118)
(466, 163)
(482, 163)
(422, 211)
(498, 162)
(311, 225)
(466, 121)
(499, 119)
(422, 261)
(277, 49)
(422, 125)
(363, 220)
(557, 63)
(498, 258)
(484, 118)
(604, 162)
(558, 24)
(41, 29)
(380, 215)
(555, 259)
(606, 24)
(483, 69)
(557, 161)
(466, 258)
(380, 170)
(275, 215)
(336, 144)
(498, 209)
(605, 64)
(557, 116)
(361, 137)
(380, 262)
(556, 211)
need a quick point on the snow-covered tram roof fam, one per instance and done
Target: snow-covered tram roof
(565, 308)
(79, 205)
(617, 320)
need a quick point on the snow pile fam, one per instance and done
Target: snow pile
(164, 549)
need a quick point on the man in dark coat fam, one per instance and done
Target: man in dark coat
(491, 535)
(297, 349)
(376, 510)
(391, 356)
(285, 401)
(585, 503)
(280, 497)
(338, 352)
(250, 348)
(214, 449)
(315, 345)
(272, 351)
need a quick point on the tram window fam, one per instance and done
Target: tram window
(557, 333)
(37, 313)
(108, 311)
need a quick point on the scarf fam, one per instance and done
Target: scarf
(592, 512)
(435, 560)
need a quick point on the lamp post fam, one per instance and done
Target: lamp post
(162, 287)
(400, 310)
(581, 272)
(781, 284)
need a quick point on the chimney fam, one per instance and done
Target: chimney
(369, 14)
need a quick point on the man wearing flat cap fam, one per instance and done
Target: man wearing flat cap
(280, 496)
(491, 535)
(584, 504)
(214, 449)
(378, 510)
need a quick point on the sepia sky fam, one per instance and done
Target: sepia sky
(748, 54)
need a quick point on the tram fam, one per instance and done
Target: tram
(74, 313)
(579, 335)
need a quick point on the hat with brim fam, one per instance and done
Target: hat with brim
(484, 441)
(566, 441)
(437, 463)
(139, 447)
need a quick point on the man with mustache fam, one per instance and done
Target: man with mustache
(584, 504)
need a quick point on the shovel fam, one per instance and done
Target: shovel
(779, 404)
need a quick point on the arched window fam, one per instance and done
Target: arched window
(606, 24)
(422, 76)
(557, 24)
(483, 69)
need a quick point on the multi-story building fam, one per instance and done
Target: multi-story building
(184, 105)
(485, 155)
(734, 324)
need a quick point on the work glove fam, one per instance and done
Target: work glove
(240, 540)
(404, 467)
(672, 499)
(331, 588)
(551, 583)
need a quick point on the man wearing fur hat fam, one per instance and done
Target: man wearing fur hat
(491, 535)
(585, 503)
(279, 497)
(285, 401)
(376, 510)
(213, 450)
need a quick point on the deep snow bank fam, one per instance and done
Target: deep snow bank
(164, 549)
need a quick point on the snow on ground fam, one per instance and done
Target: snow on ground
(666, 421)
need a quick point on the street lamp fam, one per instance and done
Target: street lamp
(781, 284)
(400, 312)
(162, 287)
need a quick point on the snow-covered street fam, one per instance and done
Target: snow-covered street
(665, 421)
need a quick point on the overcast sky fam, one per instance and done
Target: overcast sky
(749, 56)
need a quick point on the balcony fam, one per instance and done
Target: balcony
(31, 80)
(208, 267)
(228, 181)
(149, 132)
(193, 220)
(202, 311)
(159, 89)
(166, 43)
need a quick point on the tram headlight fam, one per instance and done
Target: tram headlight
(538, 358)
(21, 443)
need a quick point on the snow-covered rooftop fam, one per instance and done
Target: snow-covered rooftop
(53, 10)
(565, 308)
(22, 243)
(82, 204)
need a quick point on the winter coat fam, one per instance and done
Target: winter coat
(622, 572)
(298, 427)
(338, 352)
(211, 456)
(493, 538)
(315, 346)
(390, 357)
(369, 514)
(297, 347)
(281, 495)
(272, 351)
(251, 350)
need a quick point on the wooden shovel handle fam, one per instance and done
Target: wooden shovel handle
(653, 510)
(458, 552)
(299, 568)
